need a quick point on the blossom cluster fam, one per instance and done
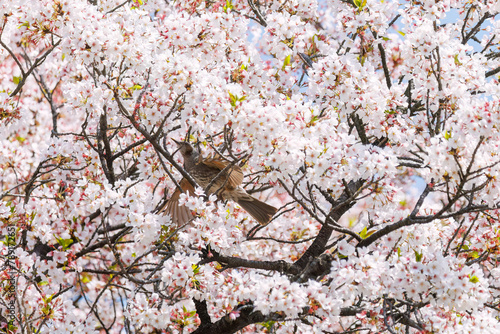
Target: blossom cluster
(372, 126)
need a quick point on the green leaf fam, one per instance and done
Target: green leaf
(189, 314)
(12, 327)
(286, 62)
(401, 33)
(47, 299)
(418, 256)
(140, 2)
(47, 310)
(16, 80)
(65, 243)
(474, 279)
(196, 284)
(228, 6)
(234, 98)
(10, 240)
(362, 60)
(362, 234)
(352, 221)
(447, 135)
(268, 324)
(365, 233)
(85, 278)
(360, 3)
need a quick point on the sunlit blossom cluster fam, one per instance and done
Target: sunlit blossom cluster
(372, 125)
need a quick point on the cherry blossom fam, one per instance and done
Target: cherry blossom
(371, 125)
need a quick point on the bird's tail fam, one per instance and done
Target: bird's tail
(259, 210)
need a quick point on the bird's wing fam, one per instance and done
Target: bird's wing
(235, 173)
(180, 214)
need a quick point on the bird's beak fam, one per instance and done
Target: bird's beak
(178, 143)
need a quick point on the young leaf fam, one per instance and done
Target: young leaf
(228, 6)
(365, 233)
(65, 243)
(418, 256)
(286, 62)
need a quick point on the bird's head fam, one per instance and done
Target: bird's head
(185, 148)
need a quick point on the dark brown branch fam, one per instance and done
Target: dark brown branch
(227, 326)
(281, 241)
(318, 246)
(105, 154)
(37, 63)
(388, 229)
(119, 6)
(492, 72)
(384, 66)
(128, 148)
(235, 262)
(257, 13)
(489, 43)
(476, 28)
(103, 243)
(139, 127)
(384, 61)
(420, 201)
(459, 248)
(318, 267)
(453, 237)
(9, 50)
(423, 220)
(360, 128)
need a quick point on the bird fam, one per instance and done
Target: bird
(224, 180)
